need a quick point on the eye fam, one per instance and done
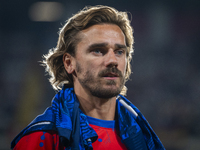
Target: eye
(119, 52)
(97, 51)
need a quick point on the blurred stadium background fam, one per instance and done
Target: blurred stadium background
(165, 83)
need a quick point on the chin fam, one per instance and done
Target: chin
(108, 92)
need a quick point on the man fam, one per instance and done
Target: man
(91, 63)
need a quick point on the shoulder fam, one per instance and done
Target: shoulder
(39, 140)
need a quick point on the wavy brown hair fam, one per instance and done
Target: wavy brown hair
(68, 39)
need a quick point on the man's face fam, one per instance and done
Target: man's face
(101, 60)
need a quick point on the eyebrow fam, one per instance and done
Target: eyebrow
(118, 46)
(97, 45)
(121, 46)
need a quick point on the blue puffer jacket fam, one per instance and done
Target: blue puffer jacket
(65, 117)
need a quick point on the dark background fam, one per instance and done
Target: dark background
(164, 85)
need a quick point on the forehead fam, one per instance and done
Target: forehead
(102, 33)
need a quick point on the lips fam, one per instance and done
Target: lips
(111, 75)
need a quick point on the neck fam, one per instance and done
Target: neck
(96, 107)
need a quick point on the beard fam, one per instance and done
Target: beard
(95, 86)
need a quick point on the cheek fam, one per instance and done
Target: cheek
(123, 66)
(94, 63)
(90, 67)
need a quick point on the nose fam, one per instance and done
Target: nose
(111, 59)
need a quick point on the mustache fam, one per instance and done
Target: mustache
(110, 70)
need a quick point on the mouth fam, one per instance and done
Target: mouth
(111, 75)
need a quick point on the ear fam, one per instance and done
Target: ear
(68, 62)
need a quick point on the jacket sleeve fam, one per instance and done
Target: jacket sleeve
(39, 140)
